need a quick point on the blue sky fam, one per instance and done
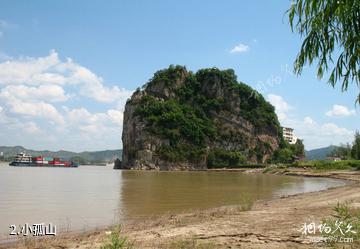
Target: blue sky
(67, 67)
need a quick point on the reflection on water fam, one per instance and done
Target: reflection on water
(71, 198)
(89, 197)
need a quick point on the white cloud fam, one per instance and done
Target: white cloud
(281, 106)
(38, 109)
(116, 116)
(51, 70)
(320, 135)
(80, 129)
(4, 56)
(332, 129)
(315, 135)
(31, 128)
(240, 48)
(51, 93)
(340, 111)
(83, 116)
(29, 102)
(33, 71)
(32, 92)
(94, 124)
(309, 121)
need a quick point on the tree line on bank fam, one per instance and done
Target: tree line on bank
(348, 151)
(288, 153)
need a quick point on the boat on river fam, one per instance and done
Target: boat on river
(26, 160)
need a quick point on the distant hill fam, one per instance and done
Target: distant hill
(111, 155)
(86, 156)
(319, 154)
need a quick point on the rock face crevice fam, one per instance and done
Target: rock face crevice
(183, 120)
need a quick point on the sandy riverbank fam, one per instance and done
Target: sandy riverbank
(269, 224)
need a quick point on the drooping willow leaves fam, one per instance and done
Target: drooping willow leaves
(331, 31)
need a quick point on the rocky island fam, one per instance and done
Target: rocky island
(183, 120)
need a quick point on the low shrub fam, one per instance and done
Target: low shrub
(328, 165)
(116, 241)
(220, 158)
(345, 223)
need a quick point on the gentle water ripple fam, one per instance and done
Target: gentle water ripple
(95, 196)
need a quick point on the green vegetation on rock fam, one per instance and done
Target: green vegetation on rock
(198, 113)
(174, 120)
(219, 158)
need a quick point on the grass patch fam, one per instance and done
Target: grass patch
(267, 170)
(328, 165)
(116, 241)
(248, 166)
(246, 203)
(274, 167)
(191, 243)
(345, 223)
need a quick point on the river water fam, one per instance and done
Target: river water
(88, 197)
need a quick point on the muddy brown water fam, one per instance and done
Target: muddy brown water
(89, 197)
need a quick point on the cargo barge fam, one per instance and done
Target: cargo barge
(25, 160)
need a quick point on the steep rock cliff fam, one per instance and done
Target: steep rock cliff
(184, 120)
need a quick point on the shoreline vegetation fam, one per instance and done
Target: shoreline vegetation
(272, 223)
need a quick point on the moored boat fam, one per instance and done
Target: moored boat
(25, 160)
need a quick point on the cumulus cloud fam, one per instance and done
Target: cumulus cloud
(31, 128)
(314, 134)
(35, 96)
(308, 121)
(317, 135)
(83, 116)
(116, 116)
(77, 129)
(340, 111)
(332, 129)
(51, 70)
(240, 48)
(281, 106)
(51, 93)
(4, 56)
(39, 110)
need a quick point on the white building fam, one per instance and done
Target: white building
(289, 136)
